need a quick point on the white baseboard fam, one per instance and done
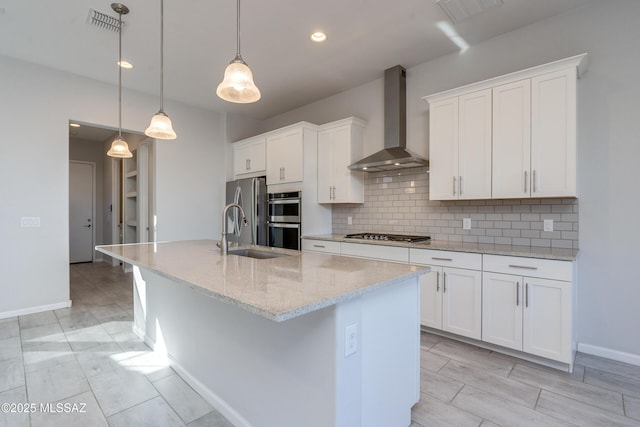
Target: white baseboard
(213, 399)
(36, 309)
(620, 356)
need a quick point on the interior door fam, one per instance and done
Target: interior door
(81, 220)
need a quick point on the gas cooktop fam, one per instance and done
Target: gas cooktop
(388, 237)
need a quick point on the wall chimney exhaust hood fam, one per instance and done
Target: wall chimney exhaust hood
(395, 154)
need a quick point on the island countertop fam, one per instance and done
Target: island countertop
(277, 288)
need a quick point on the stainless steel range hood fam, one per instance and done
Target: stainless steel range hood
(395, 154)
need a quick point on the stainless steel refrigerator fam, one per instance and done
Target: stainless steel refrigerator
(251, 194)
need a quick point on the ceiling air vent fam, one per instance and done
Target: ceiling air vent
(103, 20)
(459, 10)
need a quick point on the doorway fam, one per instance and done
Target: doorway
(82, 202)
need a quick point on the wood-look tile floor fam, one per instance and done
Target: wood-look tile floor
(87, 355)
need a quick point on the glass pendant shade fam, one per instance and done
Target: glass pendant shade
(237, 85)
(119, 149)
(160, 127)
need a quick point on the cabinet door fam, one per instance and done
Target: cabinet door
(249, 157)
(474, 145)
(431, 298)
(285, 157)
(343, 178)
(512, 140)
(325, 166)
(443, 150)
(547, 318)
(553, 134)
(462, 302)
(502, 304)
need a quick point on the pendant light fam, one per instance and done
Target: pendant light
(238, 85)
(119, 147)
(161, 127)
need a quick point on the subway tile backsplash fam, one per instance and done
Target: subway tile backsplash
(398, 202)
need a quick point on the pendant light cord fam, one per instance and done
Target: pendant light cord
(120, 74)
(162, 55)
(238, 28)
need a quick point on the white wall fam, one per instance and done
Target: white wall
(609, 146)
(36, 106)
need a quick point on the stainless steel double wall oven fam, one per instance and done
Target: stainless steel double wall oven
(284, 219)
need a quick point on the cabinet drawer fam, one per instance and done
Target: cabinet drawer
(531, 267)
(321, 246)
(381, 252)
(469, 261)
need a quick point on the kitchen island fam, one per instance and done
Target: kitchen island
(294, 339)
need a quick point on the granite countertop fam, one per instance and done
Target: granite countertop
(277, 288)
(481, 248)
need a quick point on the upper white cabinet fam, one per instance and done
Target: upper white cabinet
(250, 157)
(340, 143)
(285, 154)
(512, 136)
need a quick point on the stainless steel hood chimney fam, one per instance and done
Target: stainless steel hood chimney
(395, 154)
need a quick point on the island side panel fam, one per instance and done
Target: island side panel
(253, 370)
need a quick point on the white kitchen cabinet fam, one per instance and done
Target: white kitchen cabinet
(525, 122)
(553, 134)
(285, 155)
(525, 311)
(451, 294)
(340, 143)
(324, 246)
(381, 252)
(250, 157)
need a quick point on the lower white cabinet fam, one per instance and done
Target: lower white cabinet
(324, 246)
(381, 252)
(451, 297)
(527, 313)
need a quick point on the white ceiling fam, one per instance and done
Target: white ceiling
(364, 38)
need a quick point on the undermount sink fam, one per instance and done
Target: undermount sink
(255, 253)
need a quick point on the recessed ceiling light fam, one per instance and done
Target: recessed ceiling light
(74, 125)
(318, 37)
(125, 64)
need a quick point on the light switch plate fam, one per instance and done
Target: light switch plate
(349, 220)
(548, 225)
(30, 221)
(466, 223)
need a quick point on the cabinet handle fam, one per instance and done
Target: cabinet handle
(444, 283)
(318, 246)
(334, 192)
(281, 173)
(460, 185)
(247, 164)
(454, 185)
(330, 193)
(435, 258)
(437, 281)
(526, 267)
(517, 294)
(525, 182)
(526, 295)
(533, 184)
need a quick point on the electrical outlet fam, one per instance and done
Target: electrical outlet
(349, 220)
(30, 221)
(548, 225)
(350, 340)
(466, 223)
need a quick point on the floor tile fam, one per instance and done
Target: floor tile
(212, 419)
(43, 355)
(472, 355)
(56, 383)
(502, 411)
(14, 419)
(439, 386)
(11, 374)
(431, 412)
(182, 398)
(432, 361)
(579, 413)
(120, 390)
(45, 333)
(85, 338)
(483, 379)
(106, 311)
(81, 410)
(103, 358)
(608, 365)
(79, 319)
(152, 365)
(152, 413)
(627, 385)
(10, 348)
(632, 407)
(37, 319)
(9, 328)
(427, 341)
(596, 396)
